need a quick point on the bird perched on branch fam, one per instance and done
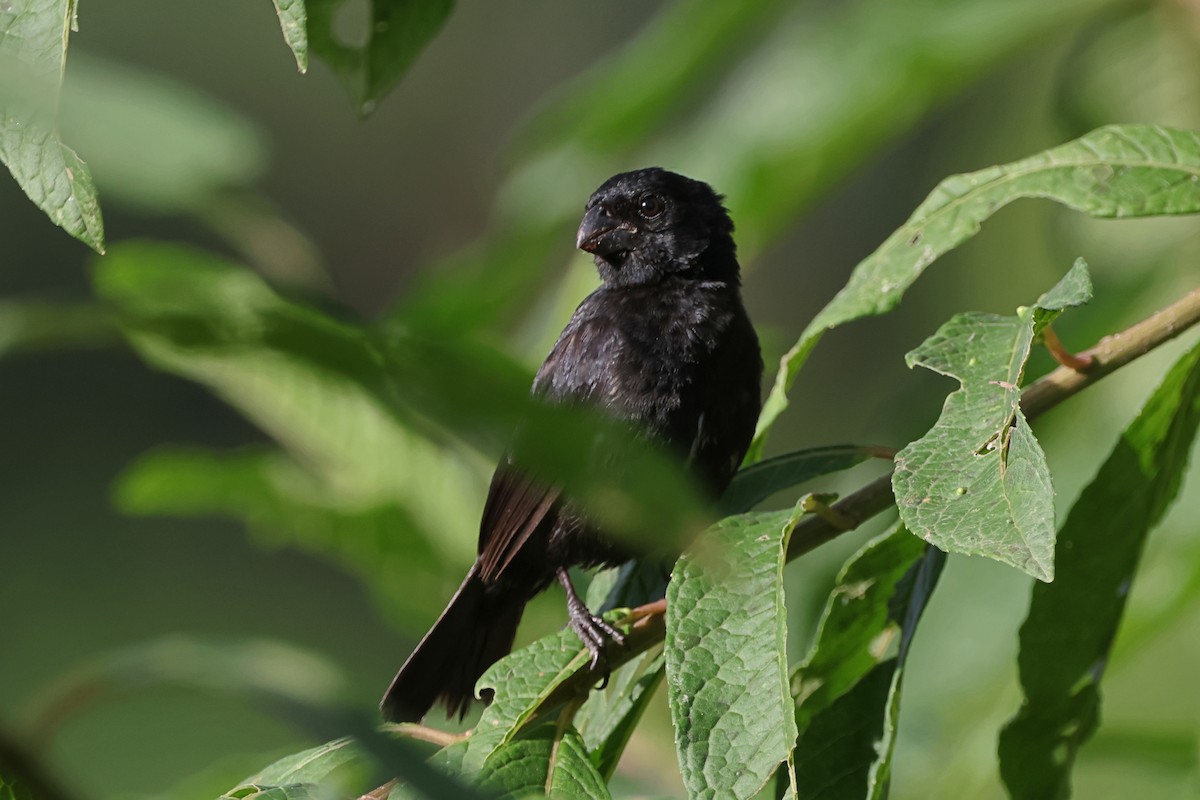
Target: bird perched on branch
(664, 344)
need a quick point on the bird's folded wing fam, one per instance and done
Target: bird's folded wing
(516, 506)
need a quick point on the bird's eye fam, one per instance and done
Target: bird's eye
(651, 206)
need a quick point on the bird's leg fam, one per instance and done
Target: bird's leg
(594, 632)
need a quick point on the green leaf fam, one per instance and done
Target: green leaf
(1068, 634)
(630, 585)
(293, 20)
(309, 766)
(521, 682)
(294, 791)
(263, 670)
(33, 54)
(1115, 171)
(609, 715)
(859, 627)
(299, 776)
(725, 651)
(395, 34)
(977, 482)
(754, 483)
(848, 689)
(23, 778)
(544, 761)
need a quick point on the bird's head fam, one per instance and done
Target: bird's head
(649, 224)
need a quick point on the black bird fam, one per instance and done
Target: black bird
(664, 344)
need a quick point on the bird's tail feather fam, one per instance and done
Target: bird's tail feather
(474, 632)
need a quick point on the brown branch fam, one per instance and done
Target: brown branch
(379, 793)
(1112, 353)
(422, 733)
(1108, 355)
(1080, 362)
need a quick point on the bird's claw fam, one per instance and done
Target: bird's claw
(597, 635)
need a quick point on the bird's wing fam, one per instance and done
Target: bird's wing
(516, 506)
(576, 371)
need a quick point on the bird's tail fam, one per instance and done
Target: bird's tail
(474, 632)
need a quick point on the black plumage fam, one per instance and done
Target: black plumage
(665, 344)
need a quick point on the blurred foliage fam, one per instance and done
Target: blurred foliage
(383, 434)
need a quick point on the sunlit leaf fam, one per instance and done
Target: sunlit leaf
(33, 53)
(977, 482)
(293, 21)
(299, 776)
(318, 386)
(309, 766)
(521, 681)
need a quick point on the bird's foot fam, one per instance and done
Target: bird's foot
(596, 634)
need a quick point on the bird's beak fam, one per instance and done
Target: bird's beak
(602, 235)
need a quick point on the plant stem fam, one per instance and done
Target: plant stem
(1112, 353)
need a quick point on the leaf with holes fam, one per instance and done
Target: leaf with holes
(521, 682)
(977, 482)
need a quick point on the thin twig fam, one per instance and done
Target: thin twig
(1112, 353)
(423, 733)
(379, 793)
(1080, 362)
